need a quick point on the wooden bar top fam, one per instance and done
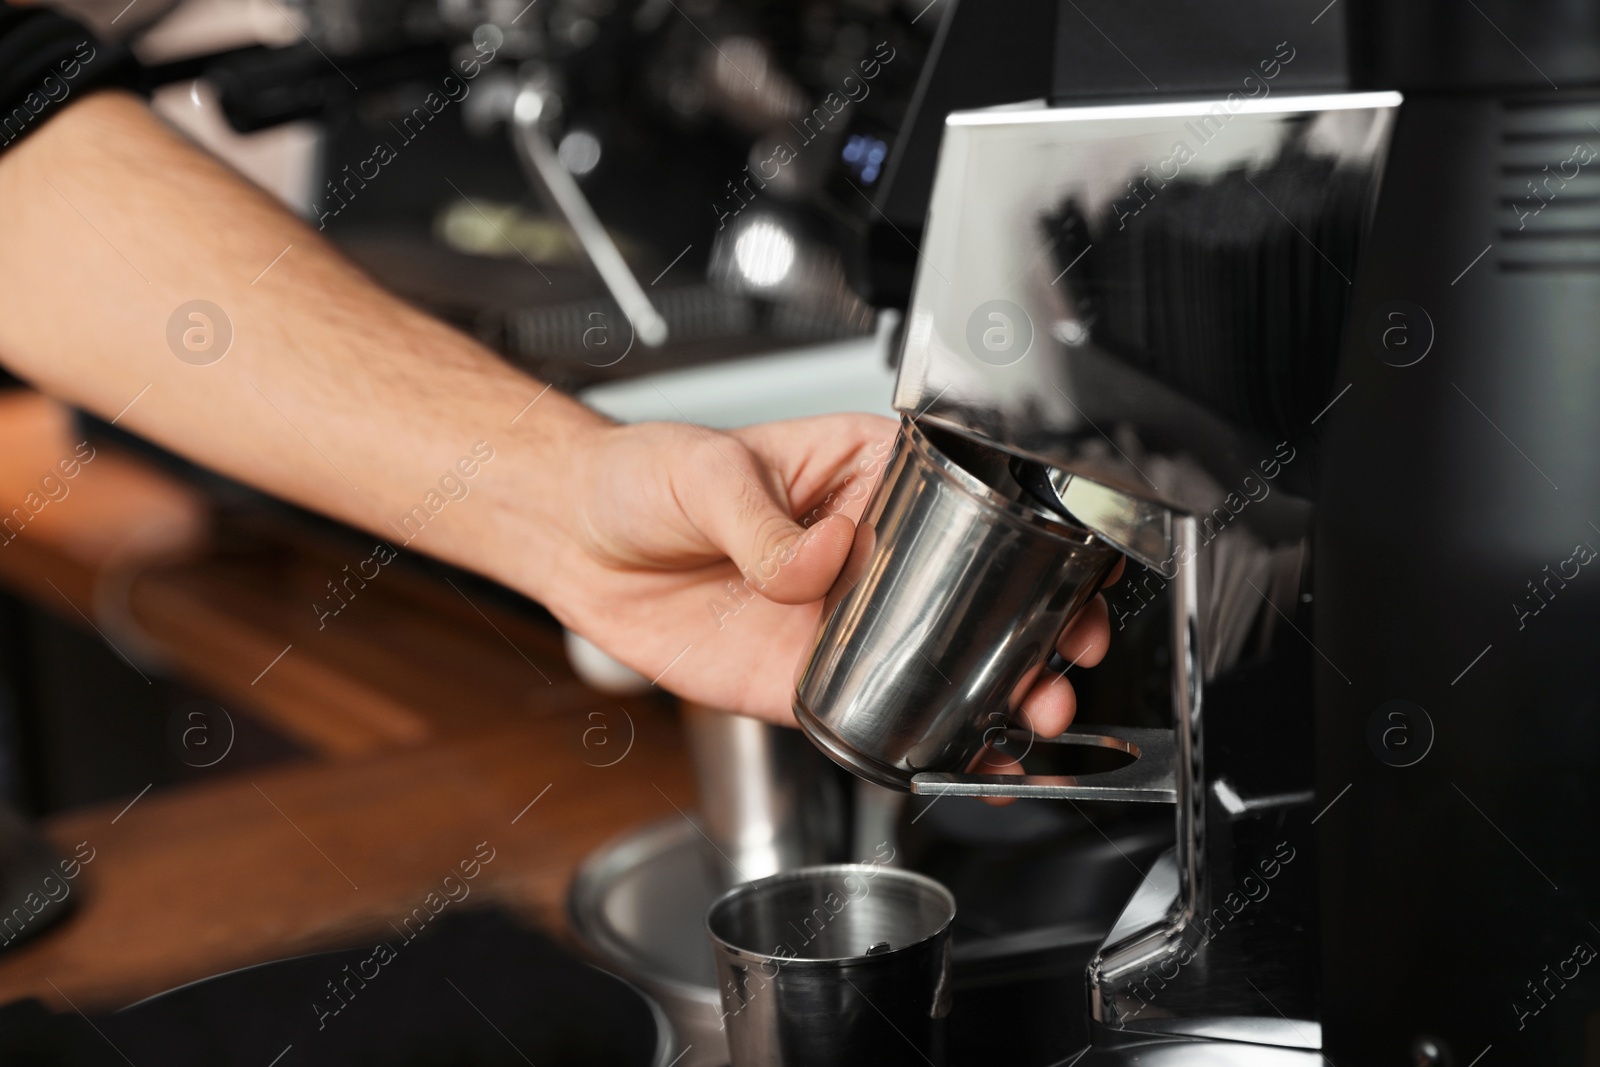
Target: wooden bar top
(207, 879)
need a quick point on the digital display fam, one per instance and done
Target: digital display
(864, 156)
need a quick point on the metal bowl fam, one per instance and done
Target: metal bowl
(638, 904)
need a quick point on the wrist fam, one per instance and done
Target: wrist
(533, 528)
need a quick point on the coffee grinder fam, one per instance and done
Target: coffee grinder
(1281, 303)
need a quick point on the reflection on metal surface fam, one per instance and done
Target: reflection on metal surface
(1141, 529)
(638, 905)
(1157, 264)
(842, 965)
(769, 801)
(1201, 1053)
(1255, 1029)
(1152, 902)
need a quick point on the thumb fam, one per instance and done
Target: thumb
(729, 502)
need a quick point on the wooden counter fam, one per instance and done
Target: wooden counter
(204, 880)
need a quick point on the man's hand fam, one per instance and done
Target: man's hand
(700, 558)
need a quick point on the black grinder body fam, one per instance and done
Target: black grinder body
(1457, 516)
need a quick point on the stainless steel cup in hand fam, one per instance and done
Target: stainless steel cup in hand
(956, 590)
(834, 967)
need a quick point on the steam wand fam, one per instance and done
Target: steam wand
(544, 169)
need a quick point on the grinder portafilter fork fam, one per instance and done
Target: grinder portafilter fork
(967, 567)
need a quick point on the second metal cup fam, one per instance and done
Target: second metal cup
(834, 967)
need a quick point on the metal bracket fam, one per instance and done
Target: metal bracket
(1151, 777)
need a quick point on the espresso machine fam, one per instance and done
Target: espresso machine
(1285, 303)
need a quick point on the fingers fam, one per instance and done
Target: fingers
(731, 497)
(825, 464)
(1000, 758)
(1049, 707)
(804, 569)
(1088, 638)
(741, 490)
(1047, 711)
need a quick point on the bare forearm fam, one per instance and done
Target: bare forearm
(331, 393)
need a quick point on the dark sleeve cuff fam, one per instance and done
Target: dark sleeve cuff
(48, 61)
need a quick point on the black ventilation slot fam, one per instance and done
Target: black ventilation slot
(1547, 205)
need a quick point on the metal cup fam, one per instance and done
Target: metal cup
(834, 966)
(955, 592)
(769, 802)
